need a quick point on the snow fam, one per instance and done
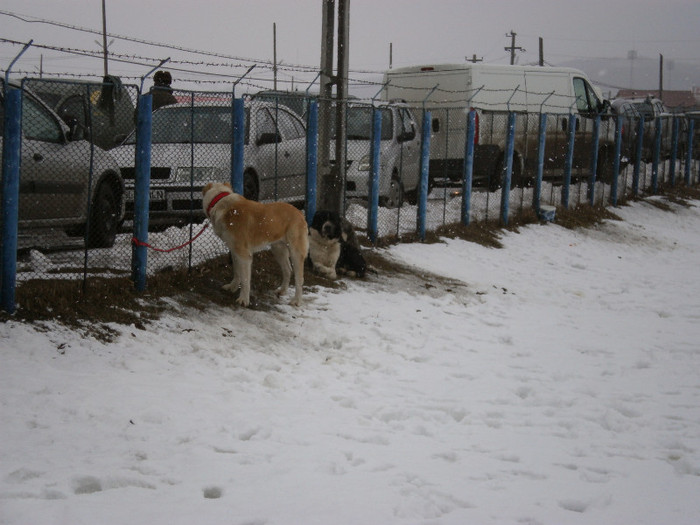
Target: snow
(554, 381)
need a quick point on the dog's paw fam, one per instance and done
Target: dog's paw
(230, 287)
(243, 302)
(295, 302)
(326, 271)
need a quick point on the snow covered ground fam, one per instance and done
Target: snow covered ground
(555, 381)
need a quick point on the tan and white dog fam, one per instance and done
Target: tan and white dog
(248, 226)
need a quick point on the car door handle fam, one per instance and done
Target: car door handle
(38, 157)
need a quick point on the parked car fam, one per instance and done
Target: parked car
(102, 111)
(633, 109)
(65, 182)
(191, 145)
(399, 171)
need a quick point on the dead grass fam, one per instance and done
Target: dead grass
(94, 306)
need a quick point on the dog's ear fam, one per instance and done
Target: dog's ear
(228, 185)
(207, 187)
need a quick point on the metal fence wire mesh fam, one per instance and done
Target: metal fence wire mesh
(78, 151)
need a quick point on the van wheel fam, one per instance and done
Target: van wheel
(104, 218)
(394, 198)
(251, 190)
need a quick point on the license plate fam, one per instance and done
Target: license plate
(154, 195)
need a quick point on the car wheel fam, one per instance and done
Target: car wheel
(251, 190)
(394, 199)
(104, 219)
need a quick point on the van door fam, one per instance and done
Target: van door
(588, 106)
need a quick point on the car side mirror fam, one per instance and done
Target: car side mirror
(269, 138)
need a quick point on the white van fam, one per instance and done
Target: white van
(450, 90)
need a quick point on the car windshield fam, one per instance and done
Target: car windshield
(359, 119)
(182, 125)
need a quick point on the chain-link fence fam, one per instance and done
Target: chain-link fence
(78, 168)
(71, 193)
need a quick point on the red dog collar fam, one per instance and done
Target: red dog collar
(217, 199)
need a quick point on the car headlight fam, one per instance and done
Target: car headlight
(198, 174)
(364, 164)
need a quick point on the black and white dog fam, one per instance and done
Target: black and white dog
(333, 246)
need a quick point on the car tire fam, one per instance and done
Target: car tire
(104, 217)
(251, 190)
(394, 199)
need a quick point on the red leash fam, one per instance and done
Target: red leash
(135, 241)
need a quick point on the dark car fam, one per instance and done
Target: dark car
(632, 111)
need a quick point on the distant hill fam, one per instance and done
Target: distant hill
(612, 74)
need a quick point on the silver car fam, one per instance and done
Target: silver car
(399, 172)
(191, 145)
(65, 183)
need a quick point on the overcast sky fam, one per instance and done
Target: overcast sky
(425, 31)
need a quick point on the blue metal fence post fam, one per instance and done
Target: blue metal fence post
(373, 197)
(616, 160)
(141, 187)
(508, 169)
(656, 155)
(689, 152)
(311, 159)
(674, 150)
(594, 160)
(11, 154)
(638, 156)
(238, 130)
(569, 162)
(537, 195)
(424, 173)
(468, 167)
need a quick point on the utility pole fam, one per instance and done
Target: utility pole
(331, 180)
(274, 55)
(541, 52)
(512, 47)
(104, 37)
(661, 77)
(325, 96)
(473, 59)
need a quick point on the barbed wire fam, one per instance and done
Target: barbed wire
(257, 61)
